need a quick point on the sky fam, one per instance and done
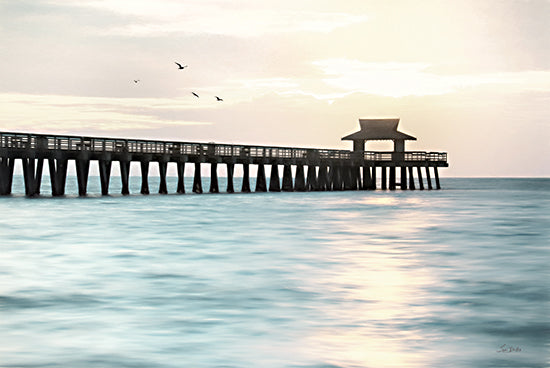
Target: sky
(470, 78)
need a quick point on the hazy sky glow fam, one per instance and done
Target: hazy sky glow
(467, 77)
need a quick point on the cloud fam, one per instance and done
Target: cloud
(58, 113)
(160, 18)
(392, 79)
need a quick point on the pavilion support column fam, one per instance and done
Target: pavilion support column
(32, 173)
(246, 178)
(144, 177)
(356, 176)
(300, 181)
(260, 179)
(367, 178)
(6, 175)
(348, 177)
(197, 180)
(163, 188)
(274, 182)
(384, 179)
(373, 178)
(125, 176)
(420, 180)
(82, 172)
(311, 180)
(428, 178)
(411, 178)
(392, 178)
(322, 178)
(181, 177)
(58, 175)
(287, 178)
(436, 174)
(403, 178)
(104, 175)
(230, 170)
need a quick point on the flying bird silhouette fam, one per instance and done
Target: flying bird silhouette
(180, 66)
(194, 94)
(136, 80)
(218, 99)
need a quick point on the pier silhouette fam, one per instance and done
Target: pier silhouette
(315, 169)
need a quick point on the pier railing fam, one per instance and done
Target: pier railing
(44, 143)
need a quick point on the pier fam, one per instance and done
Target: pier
(304, 169)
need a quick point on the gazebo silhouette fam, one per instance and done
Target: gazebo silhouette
(379, 130)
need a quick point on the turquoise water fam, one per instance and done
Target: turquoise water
(450, 278)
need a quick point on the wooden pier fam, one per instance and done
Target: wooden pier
(315, 169)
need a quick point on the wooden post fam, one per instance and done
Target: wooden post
(403, 178)
(230, 169)
(28, 178)
(330, 174)
(300, 182)
(197, 180)
(274, 181)
(124, 176)
(350, 181)
(287, 178)
(436, 174)
(311, 180)
(32, 173)
(384, 179)
(214, 187)
(420, 180)
(145, 177)
(336, 176)
(181, 177)
(367, 178)
(104, 175)
(357, 178)
(347, 172)
(260, 179)
(82, 171)
(373, 178)
(428, 178)
(58, 175)
(411, 178)
(246, 178)
(322, 177)
(392, 178)
(6, 175)
(163, 188)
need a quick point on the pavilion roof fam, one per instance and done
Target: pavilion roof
(378, 129)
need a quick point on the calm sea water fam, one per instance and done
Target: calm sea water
(450, 278)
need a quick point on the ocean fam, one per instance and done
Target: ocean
(458, 277)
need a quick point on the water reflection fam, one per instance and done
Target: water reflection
(378, 287)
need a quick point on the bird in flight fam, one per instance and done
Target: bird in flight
(180, 66)
(136, 80)
(194, 94)
(218, 99)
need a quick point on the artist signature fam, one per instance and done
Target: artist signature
(508, 349)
